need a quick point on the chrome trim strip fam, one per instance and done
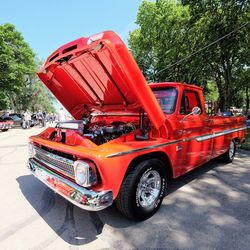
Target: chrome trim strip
(198, 138)
(79, 196)
(142, 149)
(217, 134)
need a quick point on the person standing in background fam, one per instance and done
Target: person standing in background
(61, 115)
(26, 120)
(40, 118)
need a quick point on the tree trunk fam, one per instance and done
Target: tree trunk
(228, 88)
(222, 92)
(247, 98)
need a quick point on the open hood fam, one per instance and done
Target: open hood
(98, 73)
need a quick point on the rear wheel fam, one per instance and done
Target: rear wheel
(229, 155)
(142, 190)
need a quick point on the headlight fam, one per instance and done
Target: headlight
(85, 175)
(32, 151)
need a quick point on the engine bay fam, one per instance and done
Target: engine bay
(98, 132)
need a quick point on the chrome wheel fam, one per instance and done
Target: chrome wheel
(143, 189)
(231, 150)
(149, 188)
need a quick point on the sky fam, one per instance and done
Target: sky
(46, 25)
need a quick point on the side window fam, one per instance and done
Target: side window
(190, 99)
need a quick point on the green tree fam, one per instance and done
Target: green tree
(242, 96)
(216, 19)
(169, 42)
(161, 39)
(16, 61)
(20, 89)
(211, 92)
(33, 96)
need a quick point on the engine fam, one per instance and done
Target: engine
(100, 134)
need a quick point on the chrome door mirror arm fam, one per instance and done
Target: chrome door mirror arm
(195, 111)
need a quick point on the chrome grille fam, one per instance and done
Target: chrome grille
(56, 162)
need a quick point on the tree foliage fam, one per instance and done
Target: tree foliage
(19, 87)
(33, 96)
(170, 33)
(16, 58)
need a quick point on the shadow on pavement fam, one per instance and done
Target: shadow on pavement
(79, 227)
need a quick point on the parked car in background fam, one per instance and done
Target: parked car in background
(16, 118)
(227, 113)
(5, 125)
(248, 121)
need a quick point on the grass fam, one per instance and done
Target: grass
(246, 145)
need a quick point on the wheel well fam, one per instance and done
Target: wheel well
(156, 155)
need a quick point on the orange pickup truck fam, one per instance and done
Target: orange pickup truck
(128, 137)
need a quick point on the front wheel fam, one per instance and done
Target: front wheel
(228, 157)
(142, 190)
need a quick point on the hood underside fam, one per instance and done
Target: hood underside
(98, 73)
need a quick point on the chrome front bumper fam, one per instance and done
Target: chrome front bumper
(5, 126)
(79, 196)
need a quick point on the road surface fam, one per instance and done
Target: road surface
(208, 208)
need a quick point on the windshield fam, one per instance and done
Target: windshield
(167, 99)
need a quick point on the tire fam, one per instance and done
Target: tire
(135, 199)
(228, 157)
(4, 130)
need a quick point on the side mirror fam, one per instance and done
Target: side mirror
(195, 111)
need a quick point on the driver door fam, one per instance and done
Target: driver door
(195, 151)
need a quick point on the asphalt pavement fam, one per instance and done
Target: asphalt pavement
(209, 208)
